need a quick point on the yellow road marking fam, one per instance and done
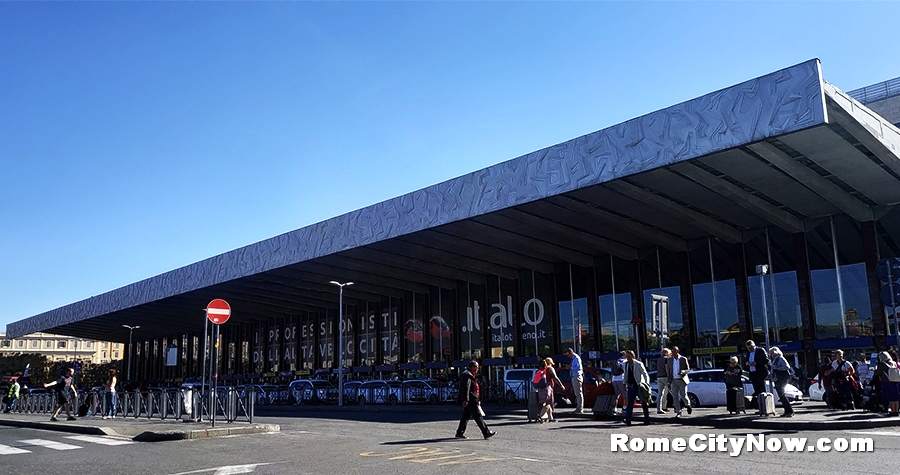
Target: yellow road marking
(428, 455)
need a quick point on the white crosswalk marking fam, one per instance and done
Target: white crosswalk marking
(99, 440)
(7, 450)
(50, 444)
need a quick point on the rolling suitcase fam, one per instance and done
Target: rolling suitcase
(534, 406)
(766, 404)
(604, 406)
(736, 401)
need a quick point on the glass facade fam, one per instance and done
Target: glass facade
(536, 323)
(367, 344)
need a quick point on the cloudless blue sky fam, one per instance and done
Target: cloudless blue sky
(140, 137)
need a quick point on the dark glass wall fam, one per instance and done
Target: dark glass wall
(441, 324)
(537, 297)
(414, 328)
(501, 316)
(368, 336)
(659, 275)
(390, 330)
(309, 327)
(613, 284)
(470, 317)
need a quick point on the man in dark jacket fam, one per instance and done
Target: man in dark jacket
(758, 360)
(469, 395)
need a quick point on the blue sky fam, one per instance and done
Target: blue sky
(139, 137)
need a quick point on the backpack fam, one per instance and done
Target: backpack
(617, 369)
(893, 373)
(540, 379)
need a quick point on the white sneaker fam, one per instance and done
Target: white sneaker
(105, 417)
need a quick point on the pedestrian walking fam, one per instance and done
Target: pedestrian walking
(758, 363)
(546, 395)
(824, 377)
(782, 373)
(12, 395)
(842, 381)
(637, 382)
(663, 380)
(65, 389)
(110, 395)
(888, 375)
(577, 374)
(470, 396)
(678, 371)
(618, 380)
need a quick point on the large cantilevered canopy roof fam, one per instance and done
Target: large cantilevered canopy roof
(780, 150)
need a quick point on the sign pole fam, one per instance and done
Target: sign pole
(218, 311)
(194, 398)
(893, 303)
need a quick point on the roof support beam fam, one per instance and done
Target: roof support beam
(560, 234)
(655, 236)
(527, 245)
(707, 224)
(812, 180)
(378, 257)
(493, 253)
(748, 201)
(441, 256)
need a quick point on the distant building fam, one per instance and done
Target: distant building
(63, 348)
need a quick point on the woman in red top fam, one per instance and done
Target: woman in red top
(545, 395)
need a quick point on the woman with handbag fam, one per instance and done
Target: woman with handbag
(783, 373)
(545, 395)
(888, 375)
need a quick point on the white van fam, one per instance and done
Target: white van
(517, 384)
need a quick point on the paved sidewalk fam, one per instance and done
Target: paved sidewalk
(140, 429)
(812, 416)
(808, 416)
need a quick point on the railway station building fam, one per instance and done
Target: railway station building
(573, 245)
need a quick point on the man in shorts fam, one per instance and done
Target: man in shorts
(65, 389)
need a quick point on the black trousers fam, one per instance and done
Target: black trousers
(759, 385)
(471, 412)
(785, 402)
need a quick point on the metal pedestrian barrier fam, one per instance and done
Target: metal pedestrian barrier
(230, 404)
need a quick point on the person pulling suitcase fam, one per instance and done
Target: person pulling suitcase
(734, 387)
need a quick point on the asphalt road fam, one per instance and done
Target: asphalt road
(325, 442)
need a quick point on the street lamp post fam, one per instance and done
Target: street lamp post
(131, 330)
(762, 270)
(341, 340)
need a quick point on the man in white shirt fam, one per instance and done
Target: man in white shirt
(577, 374)
(678, 374)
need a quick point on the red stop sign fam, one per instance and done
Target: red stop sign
(218, 311)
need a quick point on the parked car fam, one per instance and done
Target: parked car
(815, 392)
(596, 383)
(313, 391)
(430, 391)
(517, 383)
(379, 392)
(263, 394)
(351, 391)
(707, 388)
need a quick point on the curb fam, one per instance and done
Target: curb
(55, 426)
(792, 426)
(165, 435)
